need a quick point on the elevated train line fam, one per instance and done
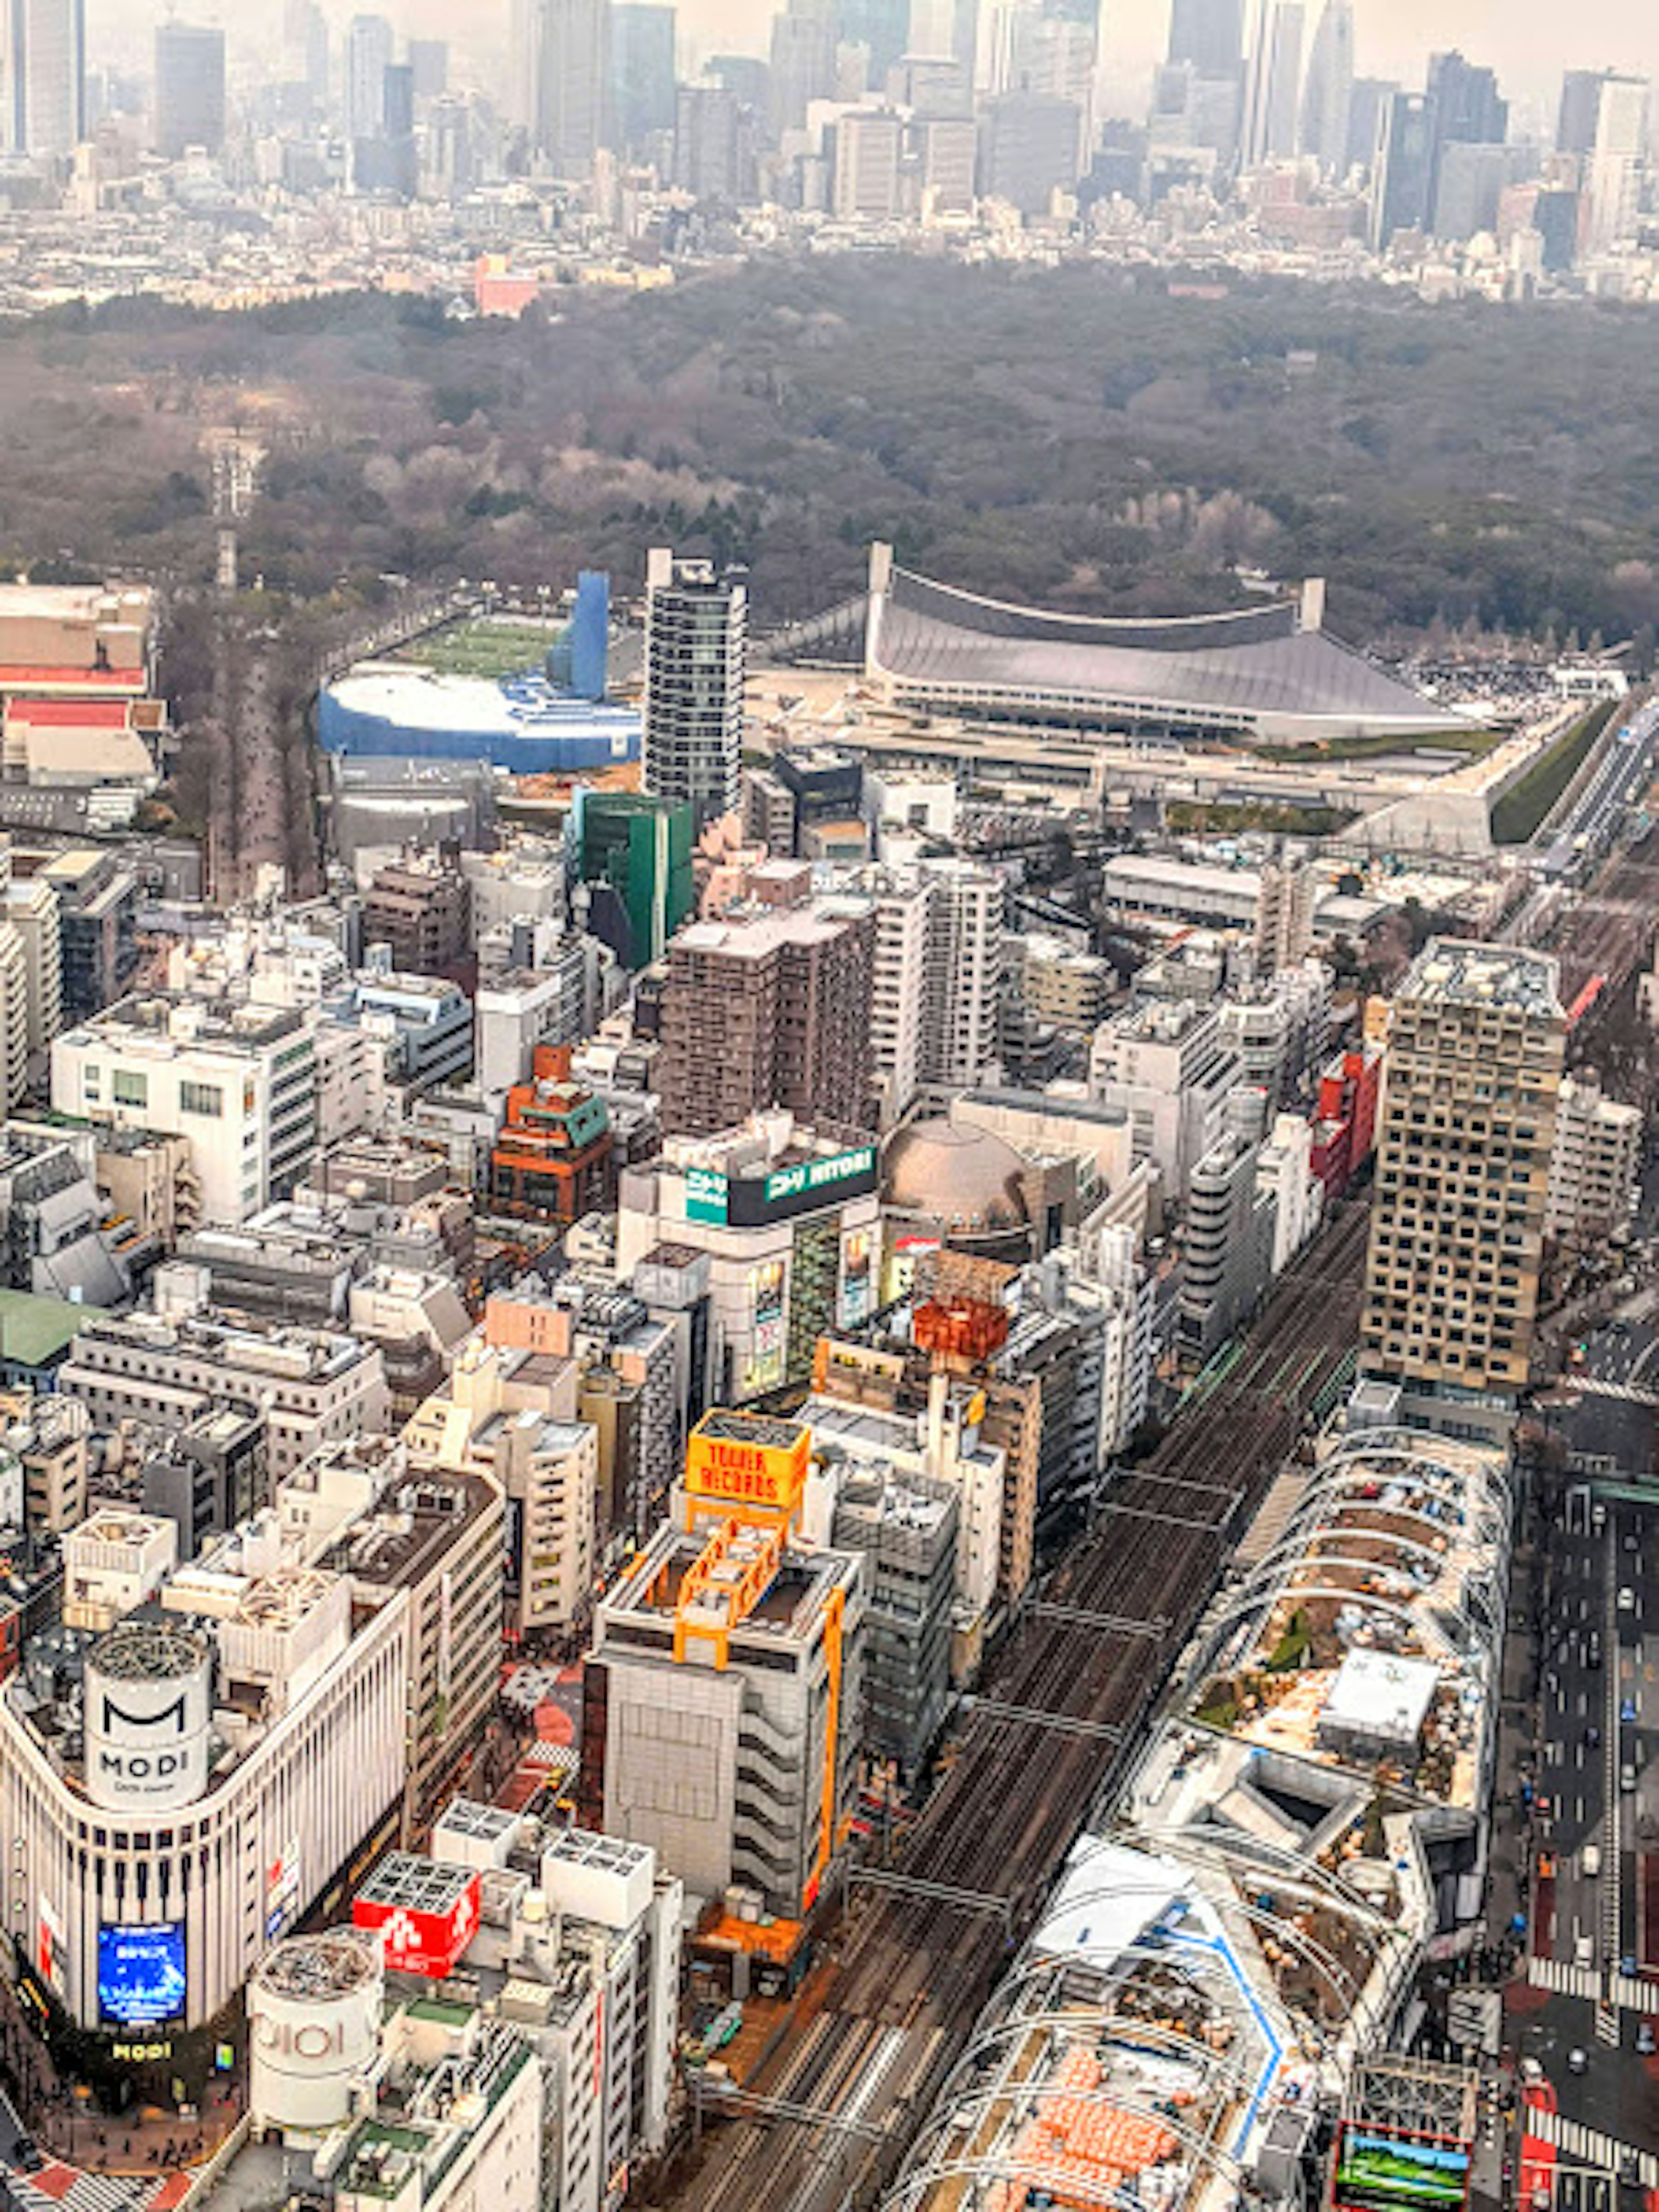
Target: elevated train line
(1057, 1722)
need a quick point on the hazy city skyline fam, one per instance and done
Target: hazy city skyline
(1527, 46)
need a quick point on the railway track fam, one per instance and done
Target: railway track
(1608, 930)
(1055, 1726)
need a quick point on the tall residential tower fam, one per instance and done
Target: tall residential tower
(1462, 1178)
(695, 637)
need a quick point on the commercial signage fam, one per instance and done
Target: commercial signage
(418, 1942)
(768, 1343)
(1375, 2171)
(282, 1889)
(141, 1972)
(815, 1176)
(706, 1193)
(748, 1473)
(146, 1741)
(752, 1201)
(856, 1255)
(49, 1945)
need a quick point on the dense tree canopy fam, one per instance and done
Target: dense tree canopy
(1076, 436)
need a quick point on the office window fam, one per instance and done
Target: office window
(128, 1089)
(201, 1098)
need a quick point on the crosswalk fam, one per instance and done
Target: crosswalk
(1621, 1991)
(85, 2192)
(1630, 1394)
(1588, 2146)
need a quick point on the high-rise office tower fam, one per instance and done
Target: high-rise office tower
(428, 62)
(368, 58)
(642, 73)
(865, 171)
(1613, 167)
(1462, 1178)
(803, 61)
(525, 55)
(190, 89)
(1327, 95)
(573, 93)
(1029, 149)
(1581, 105)
(1367, 99)
(884, 28)
(1273, 84)
(695, 641)
(1403, 171)
(1210, 34)
(706, 140)
(45, 71)
(305, 52)
(1468, 108)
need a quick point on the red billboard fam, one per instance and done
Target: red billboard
(417, 1941)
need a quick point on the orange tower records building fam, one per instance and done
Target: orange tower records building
(724, 1693)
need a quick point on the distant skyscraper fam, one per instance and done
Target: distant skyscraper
(803, 61)
(1273, 85)
(1210, 34)
(190, 89)
(525, 75)
(1469, 186)
(1402, 174)
(695, 642)
(429, 59)
(706, 141)
(1366, 100)
(865, 175)
(1465, 109)
(1613, 167)
(642, 73)
(1581, 105)
(305, 49)
(574, 89)
(368, 55)
(1327, 95)
(883, 28)
(45, 76)
(1468, 110)
(1030, 150)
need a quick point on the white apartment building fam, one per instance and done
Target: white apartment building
(965, 956)
(1170, 1066)
(31, 908)
(511, 1017)
(1284, 1170)
(1284, 914)
(898, 984)
(513, 1414)
(1594, 1162)
(936, 979)
(238, 1081)
(13, 1014)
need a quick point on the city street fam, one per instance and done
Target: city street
(1595, 1823)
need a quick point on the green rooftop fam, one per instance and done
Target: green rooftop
(34, 1330)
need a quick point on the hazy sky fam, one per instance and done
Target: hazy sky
(1528, 41)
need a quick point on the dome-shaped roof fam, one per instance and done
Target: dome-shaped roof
(963, 1176)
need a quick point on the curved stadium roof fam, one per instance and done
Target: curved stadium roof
(1256, 669)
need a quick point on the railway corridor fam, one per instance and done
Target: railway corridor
(1052, 1727)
